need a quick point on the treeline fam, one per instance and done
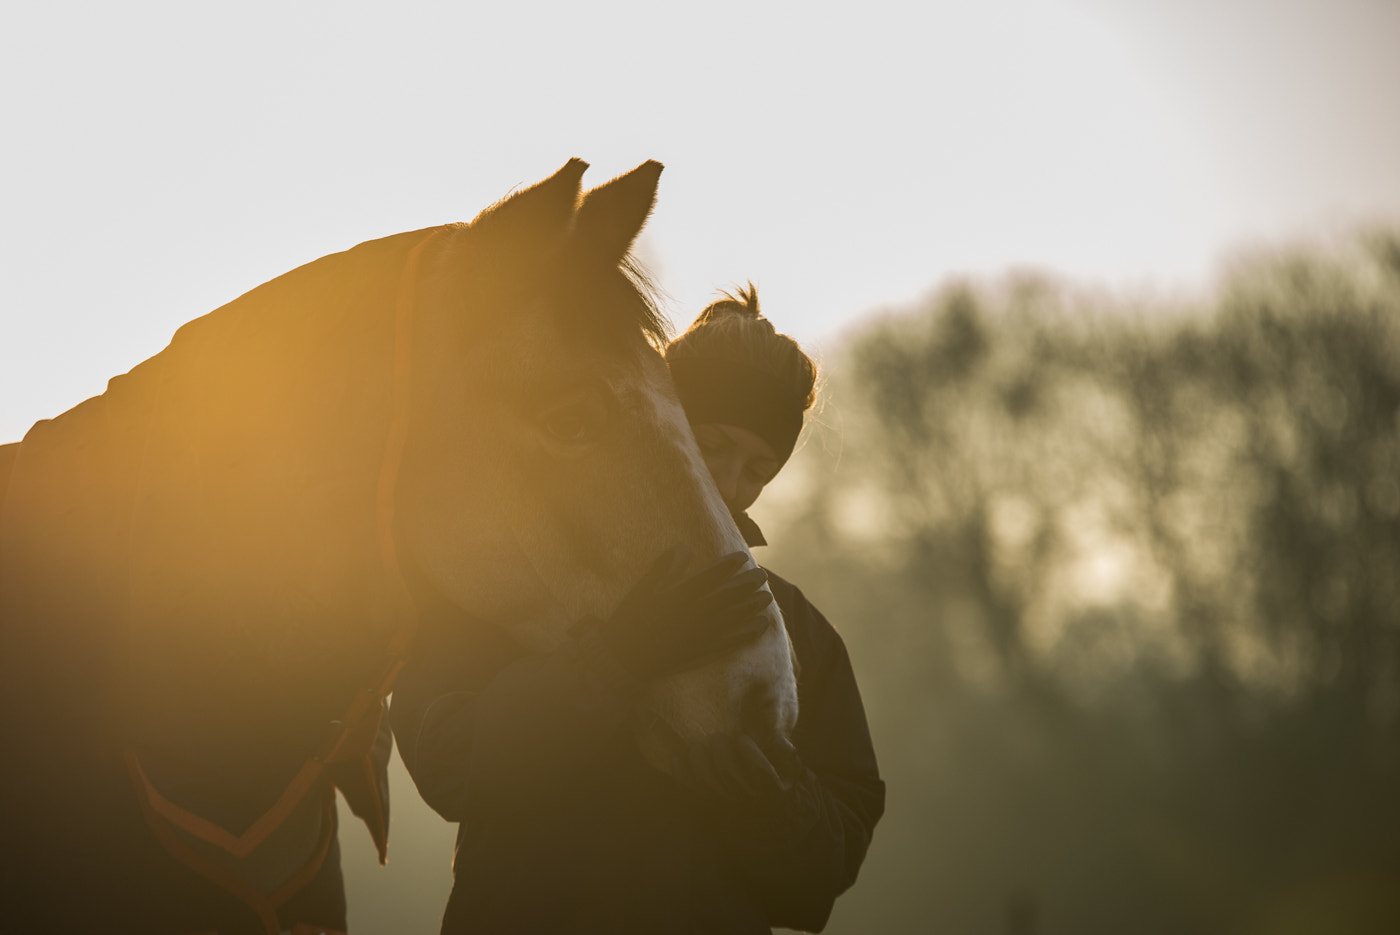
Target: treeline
(1122, 587)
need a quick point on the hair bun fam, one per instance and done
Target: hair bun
(742, 303)
(733, 330)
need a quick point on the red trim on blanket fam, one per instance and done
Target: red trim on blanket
(265, 906)
(238, 845)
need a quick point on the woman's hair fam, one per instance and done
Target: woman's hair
(734, 331)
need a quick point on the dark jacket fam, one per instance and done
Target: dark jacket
(564, 828)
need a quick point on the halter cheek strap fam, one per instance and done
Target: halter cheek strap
(392, 461)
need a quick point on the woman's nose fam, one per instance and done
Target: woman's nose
(726, 476)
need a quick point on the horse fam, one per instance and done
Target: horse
(211, 573)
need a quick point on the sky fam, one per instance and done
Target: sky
(160, 159)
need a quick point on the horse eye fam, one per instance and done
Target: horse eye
(574, 423)
(567, 426)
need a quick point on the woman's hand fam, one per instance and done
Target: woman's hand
(729, 766)
(666, 624)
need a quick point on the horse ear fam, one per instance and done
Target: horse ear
(612, 214)
(541, 210)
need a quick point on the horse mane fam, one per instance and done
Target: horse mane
(648, 317)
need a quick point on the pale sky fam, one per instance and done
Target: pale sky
(160, 159)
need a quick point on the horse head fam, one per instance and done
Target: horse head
(549, 461)
(204, 572)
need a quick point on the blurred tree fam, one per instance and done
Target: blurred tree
(1122, 589)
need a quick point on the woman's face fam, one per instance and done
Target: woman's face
(740, 462)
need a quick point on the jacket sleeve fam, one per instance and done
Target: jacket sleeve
(802, 849)
(485, 728)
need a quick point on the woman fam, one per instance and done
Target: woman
(564, 828)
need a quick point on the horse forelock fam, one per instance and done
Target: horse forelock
(608, 306)
(646, 311)
(482, 288)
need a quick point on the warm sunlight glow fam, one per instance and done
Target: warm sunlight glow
(1100, 495)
